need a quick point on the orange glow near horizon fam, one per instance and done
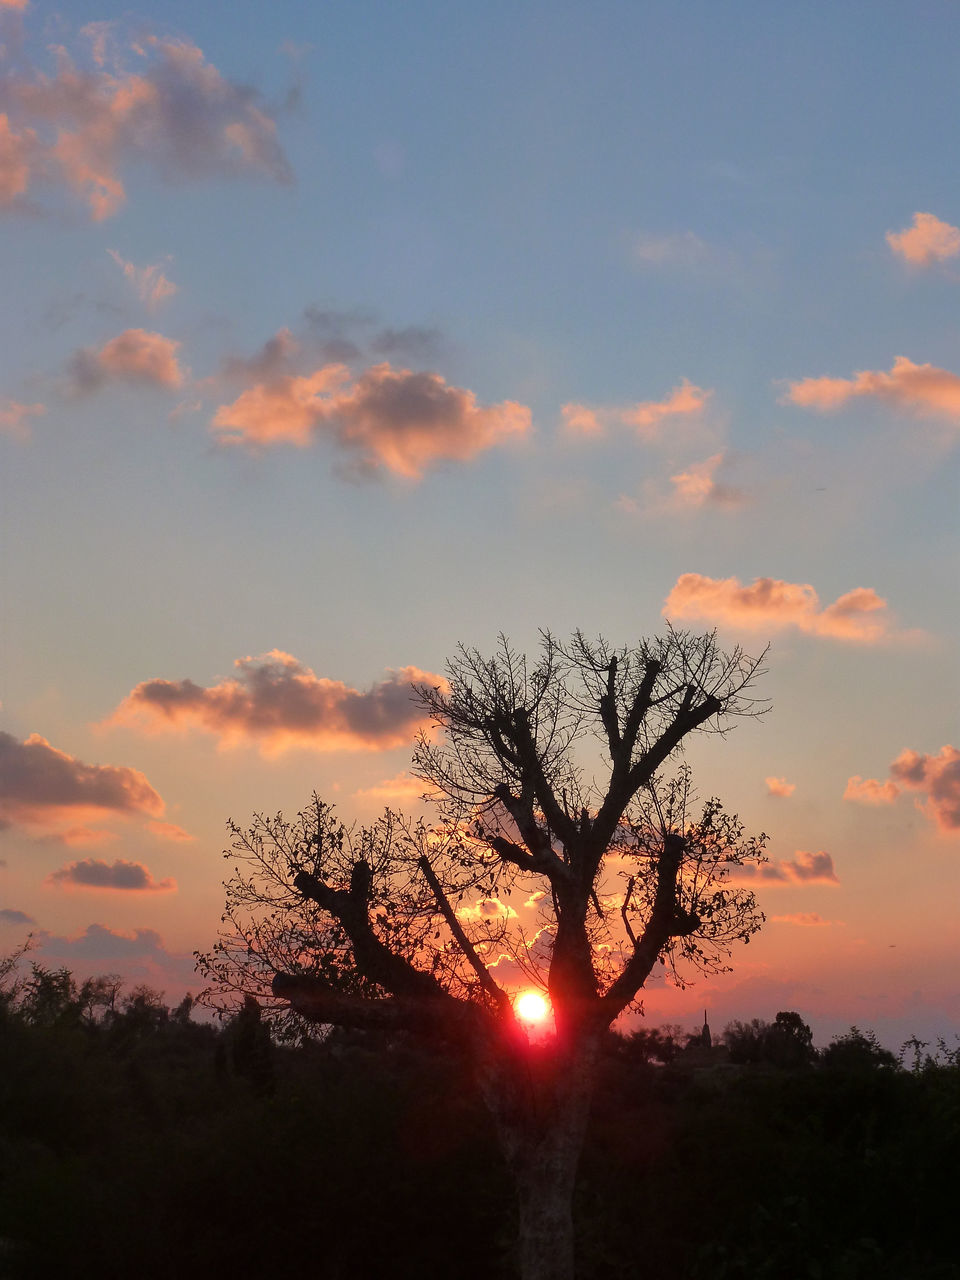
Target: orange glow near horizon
(531, 1006)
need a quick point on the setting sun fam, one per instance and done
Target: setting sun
(531, 1006)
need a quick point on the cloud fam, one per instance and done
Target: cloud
(806, 919)
(384, 420)
(805, 868)
(870, 791)
(91, 873)
(684, 400)
(14, 417)
(278, 703)
(135, 356)
(939, 777)
(9, 916)
(170, 831)
(929, 240)
(78, 128)
(770, 604)
(487, 909)
(780, 787)
(151, 285)
(139, 956)
(920, 388)
(45, 788)
(402, 787)
(698, 485)
(682, 248)
(19, 5)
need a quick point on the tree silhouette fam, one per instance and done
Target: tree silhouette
(406, 927)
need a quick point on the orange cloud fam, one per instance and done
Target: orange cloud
(770, 604)
(402, 787)
(14, 417)
(170, 831)
(870, 791)
(807, 919)
(385, 420)
(805, 868)
(698, 485)
(939, 777)
(45, 788)
(151, 285)
(135, 356)
(920, 388)
(683, 401)
(277, 703)
(780, 787)
(487, 909)
(78, 127)
(929, 240)
(128, 877)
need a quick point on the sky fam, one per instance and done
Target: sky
(334, 336)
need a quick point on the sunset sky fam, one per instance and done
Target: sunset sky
(335, 335)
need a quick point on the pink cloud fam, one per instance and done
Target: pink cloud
(79, 127)
(929, 240)
(870, 791)
(44, 788)
(805, 868)
(579, 419)
(19, 5)
(920, 388)
(278, 703)
(14, 418)
(780, 787)
(806, 919)
(402, 787)
(170, 831)
(939, 777)
(681, 248)
(770, 604)
(685, 400)
(151, 285)
(128, 877)
(698, 486)
(384, 420)
(135, 356)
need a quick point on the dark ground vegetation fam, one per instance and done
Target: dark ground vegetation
(136, 1140)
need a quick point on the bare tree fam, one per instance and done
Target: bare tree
(548, 782)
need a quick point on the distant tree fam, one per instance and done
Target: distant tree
(746, 1041)
(857, 1051)
(408, 928)
(789, 1041)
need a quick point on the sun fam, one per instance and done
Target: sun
(531, 1006)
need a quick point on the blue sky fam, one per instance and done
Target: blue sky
(623, 246)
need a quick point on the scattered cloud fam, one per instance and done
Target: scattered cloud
(135, 356)
(770, 604)
(91, 873)
(681, 248)
(170, 831)
(780, 787)
(141, 955)
(920, 388)
(927, 241)
(385, 419)
(47, 789)
(698, 486)
(805, 868)
(870, 790)
(9, 916)
(150, 284)
(80, 127)
(14, 417)
(278, 703)
(685, 400)
(487, 909)
(402, 787)
(939, 777)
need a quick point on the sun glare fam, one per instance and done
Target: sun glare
(531, 1006)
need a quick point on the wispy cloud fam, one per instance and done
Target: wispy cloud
(149, 283)
(870, 790)
(134, 356)
(9, 915)
(277, 703)
(402, 787)
(15, 417)
(927, 241)
(699, 485)
(684, 400)
(805, 868)
(384, 420)
(78, 128)
(770, 604)
(780, 787)
(678, 248)
(806, 919)
(127, 877)
(920, 388)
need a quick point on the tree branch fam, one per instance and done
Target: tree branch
(464, 943)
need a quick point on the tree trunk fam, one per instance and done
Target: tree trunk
(540, 1100)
